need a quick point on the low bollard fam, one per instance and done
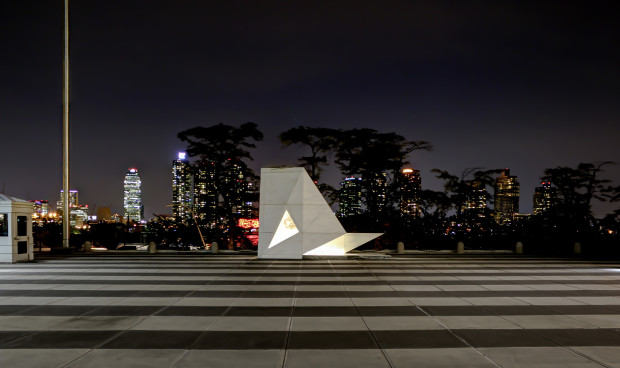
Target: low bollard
(152, 248)
(87, 247)
(460, 248)
(214, 247)
(400, 247)
(519, 248)
(577, 248)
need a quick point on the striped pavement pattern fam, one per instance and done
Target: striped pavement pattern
(237, 311)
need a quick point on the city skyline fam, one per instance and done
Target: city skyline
(194, 194)
(517, 85)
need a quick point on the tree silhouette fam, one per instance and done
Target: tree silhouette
(320, 141)
(577, 187)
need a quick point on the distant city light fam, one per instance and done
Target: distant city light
(182, 155)
(407, 171)
(248, 223)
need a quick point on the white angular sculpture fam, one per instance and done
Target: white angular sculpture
(295, 220)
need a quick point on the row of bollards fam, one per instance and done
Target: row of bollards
(460, 248)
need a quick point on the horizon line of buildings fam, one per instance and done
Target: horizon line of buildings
(194, 194)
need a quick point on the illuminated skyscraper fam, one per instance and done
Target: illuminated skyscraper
(41, 208)
(410, 189)
(132, 202)
(79, 213)
(376, 192)
(350, 197)
(476, 196)
(250, 208)
(545, 197)
(236, 181)
(205, 191)
(506, 197)
(73, 199)
(181, 188)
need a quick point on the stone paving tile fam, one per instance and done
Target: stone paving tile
(581, 337)
(554, 321)
(327, 324)
(342, 358)
(241, 340)
(184, 323)
(331, 340)
(60, 340)
(417, 339)
(238, 323)
(529, 357)
(438, 358)
(153, 340)
(39, 358)
(129, 358)
(476, 322)
(601, 321)
(29, 323)
(232, 359)
(403, 323)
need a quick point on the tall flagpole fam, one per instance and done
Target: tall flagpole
(66, 210)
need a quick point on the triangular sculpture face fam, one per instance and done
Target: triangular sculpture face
(295, 219)
(285, 230)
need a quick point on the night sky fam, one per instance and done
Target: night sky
(494, 84)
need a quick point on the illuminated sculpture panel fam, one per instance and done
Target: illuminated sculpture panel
(295, 219)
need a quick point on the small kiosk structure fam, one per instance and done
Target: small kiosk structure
(16, 244)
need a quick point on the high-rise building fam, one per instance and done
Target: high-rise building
(506, 197)
(73, 199)
(205, 190)
(40, 207)
(181, 188)
(545, 197)
(79, 213)
(476, 196)
(376, 192)
(350, 197)
(251, 199)
(410, 190)
(236, 181)
(132, 199)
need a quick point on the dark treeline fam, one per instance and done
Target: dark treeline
(442, 217)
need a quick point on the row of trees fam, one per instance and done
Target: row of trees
(369, 153)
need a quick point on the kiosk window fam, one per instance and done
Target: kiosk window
(4, 224)
(22, 225)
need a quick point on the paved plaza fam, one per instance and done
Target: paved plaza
(237, 311)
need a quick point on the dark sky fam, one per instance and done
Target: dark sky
(525, 85)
